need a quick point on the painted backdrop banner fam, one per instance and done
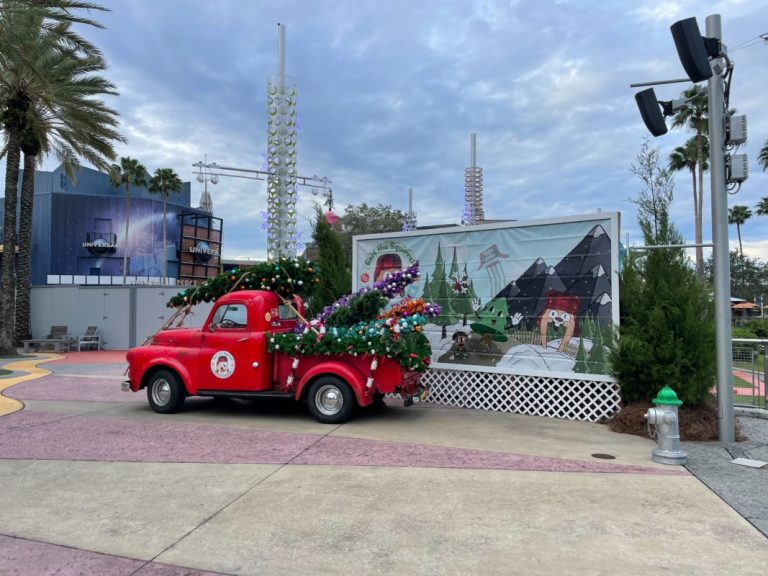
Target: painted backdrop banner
(536, 297)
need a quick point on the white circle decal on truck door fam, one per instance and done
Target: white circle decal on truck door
(223, 364)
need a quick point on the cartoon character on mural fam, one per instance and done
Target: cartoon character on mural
(560, 310)
(385, 264)
(490, 259)
(460, 339)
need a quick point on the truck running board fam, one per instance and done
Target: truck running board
(245, 394)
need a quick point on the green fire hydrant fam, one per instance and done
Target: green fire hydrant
(667, 430)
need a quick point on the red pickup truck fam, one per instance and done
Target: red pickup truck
(228, 357)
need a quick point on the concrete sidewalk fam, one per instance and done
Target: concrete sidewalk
(94, 482)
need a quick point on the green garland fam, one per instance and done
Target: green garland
(286, 276)
(401, 339)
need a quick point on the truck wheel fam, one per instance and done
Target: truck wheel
(331, 400)
(165, 392)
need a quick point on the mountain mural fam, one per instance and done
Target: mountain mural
(584, 273)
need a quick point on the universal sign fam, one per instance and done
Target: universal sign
(203, 251)
(100, 246)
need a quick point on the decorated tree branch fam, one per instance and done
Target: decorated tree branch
(286, 277)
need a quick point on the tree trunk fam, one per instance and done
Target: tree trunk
(8, 275)
(23, 293)
(165, 244)
(696, 209)
(699, 212)
(125, 236)
(738, 231)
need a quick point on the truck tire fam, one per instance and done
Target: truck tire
(165, 392)
(331, 400)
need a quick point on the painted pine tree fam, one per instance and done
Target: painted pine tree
(582, 364)
(439, 292)
(460, 285)
(492, 321)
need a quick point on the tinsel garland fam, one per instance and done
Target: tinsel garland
(286, 276)
(401, 339)
(392, 285)
(409, 307)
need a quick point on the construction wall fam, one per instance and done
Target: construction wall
(124, 315)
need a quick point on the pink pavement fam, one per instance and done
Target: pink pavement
(90, 357)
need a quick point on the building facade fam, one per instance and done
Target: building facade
(79, 231)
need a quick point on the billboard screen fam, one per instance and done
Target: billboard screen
(537, 297)
(88, 237)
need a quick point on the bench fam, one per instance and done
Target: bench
(57, 344)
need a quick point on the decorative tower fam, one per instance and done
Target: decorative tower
(473, 190)
(281, 159)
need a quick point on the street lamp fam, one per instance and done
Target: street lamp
(205, 174)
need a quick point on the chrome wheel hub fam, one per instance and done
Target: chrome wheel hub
(161, 392)
(329, 400)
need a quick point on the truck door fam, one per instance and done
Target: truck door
(232, 356)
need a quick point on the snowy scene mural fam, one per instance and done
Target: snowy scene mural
(525, 298)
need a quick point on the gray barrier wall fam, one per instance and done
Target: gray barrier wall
(124, 315)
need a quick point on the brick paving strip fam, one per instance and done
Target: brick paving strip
(26, 435)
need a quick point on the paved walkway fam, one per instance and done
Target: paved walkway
(94, 482)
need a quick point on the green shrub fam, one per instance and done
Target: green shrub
(742, 332)
(667, 332)
(758, 327)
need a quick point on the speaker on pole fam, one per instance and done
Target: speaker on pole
(691, 49)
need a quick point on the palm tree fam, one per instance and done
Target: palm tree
(75, 125)
(695, 117)
(31, 35)
(129, 172)
(762, 207)
(763, 157)
(687, 157)
(739, 215)
(164, 181)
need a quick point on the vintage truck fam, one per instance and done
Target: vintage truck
(229, 357)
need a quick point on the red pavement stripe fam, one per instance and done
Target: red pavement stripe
(41, 436)
(22, 557)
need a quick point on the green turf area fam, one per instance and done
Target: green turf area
(5, 372)
(756, 401)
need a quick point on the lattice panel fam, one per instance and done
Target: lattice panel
(568, 398)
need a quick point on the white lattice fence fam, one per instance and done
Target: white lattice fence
(568, 398)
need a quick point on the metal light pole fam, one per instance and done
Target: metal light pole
(281, 155)
(473, 187)
(722, 273)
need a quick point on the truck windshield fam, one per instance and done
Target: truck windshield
(230, 316)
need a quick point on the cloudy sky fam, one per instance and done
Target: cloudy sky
(389, 93)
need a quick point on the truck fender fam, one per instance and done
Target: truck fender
(173, 364)
(341, 370)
